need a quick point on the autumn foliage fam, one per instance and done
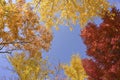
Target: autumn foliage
(20, 29)
(103, 47)
(69, 12)
(75, 70)
(30, 68)
(26, 31)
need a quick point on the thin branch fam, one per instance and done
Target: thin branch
(37, 3)
(1, 48)
(13, 43)
(5, 52)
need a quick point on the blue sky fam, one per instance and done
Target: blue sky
(64, 44)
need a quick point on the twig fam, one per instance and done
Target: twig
(12, 43)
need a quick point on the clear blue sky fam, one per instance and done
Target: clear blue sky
(64, 44)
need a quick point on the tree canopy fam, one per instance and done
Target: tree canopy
(26, 31)
(69, 12)
(103, 47)
(20, 29)
(75, 70)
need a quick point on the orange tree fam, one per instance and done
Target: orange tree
(20, 31)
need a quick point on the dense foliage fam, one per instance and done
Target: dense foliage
(25, 32)
(69, 12)
(103, 47)
(75, 70)
(30, 68)
(20, 29)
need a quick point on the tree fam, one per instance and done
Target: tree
(21, 32)
(23, 38)
(20, 29)
(75, 71)
(30, 68)
(103, 47)
(69, 12)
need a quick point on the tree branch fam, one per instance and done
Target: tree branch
(1, 48)
(3, 43)
(5, 52)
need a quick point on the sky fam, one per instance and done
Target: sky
(65, 43)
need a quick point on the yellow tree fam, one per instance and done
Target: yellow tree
(75, 70)
(69, 12)
(30, 68)
(20, 31)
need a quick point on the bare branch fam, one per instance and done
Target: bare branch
(3, 43)
(5, 52)
(1, 48)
